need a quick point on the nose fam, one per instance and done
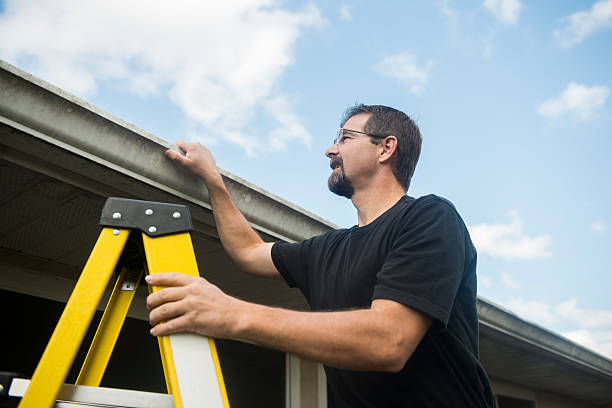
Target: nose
(332, 151)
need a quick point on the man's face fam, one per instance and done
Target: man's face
(350, 158)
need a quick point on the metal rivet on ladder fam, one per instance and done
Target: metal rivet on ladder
(152, 229)
(177, 215)
(115, 232)
(117, 216)
(149, 211)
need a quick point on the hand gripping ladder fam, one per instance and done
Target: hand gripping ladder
(190, 362)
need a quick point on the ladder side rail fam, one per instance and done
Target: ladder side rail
(68, 335)
(198, 379)
(109, 328)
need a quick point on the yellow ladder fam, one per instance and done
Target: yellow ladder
(190, 362)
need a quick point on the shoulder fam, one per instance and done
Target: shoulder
(430, 216)
(430, 206)
(317, 241)
(326, 239)
(331, 235)
(432, 200)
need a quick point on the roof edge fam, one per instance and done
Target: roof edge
(51, 114)
(503, 320)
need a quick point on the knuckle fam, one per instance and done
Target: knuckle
(163, 311)
(152, 318)
(191, 320)
(168, 326)
(195, 302)
(189, 302)
(194, 289)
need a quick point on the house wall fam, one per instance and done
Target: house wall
(306, 384)
(541, 399)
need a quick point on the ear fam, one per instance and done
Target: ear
(387, 147)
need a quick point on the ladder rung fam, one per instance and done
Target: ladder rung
(99, 396)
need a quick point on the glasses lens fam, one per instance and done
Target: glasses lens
(338, 136)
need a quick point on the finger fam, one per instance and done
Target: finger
(167, 311)
(169, 279)
(183, 145)
(180, 324)
(174, 155)
(166, 295)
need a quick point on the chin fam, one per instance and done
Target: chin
(340, 185)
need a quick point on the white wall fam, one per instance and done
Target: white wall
(542, 399)
(306, 384)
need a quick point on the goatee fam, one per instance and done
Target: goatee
(338, 183)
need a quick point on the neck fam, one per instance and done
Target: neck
(375, 199)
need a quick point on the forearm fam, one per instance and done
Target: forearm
(381, 338)
(362, 339)
(235, 233)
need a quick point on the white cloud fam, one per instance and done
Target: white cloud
(580, 100)
(219, 62)
(581, 337)
(584, 23)
(598, 226)
(289, 125)
(600, 342)
(506, 11)
(508, 241)
(508, 281)
(450, 13)
(568, 311)
(591, 328)
(587, 319)
(537, 312)
(403, 68)
(345, 13)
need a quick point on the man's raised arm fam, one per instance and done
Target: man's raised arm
(246, 248)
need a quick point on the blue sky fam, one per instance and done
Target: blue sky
(512, 98)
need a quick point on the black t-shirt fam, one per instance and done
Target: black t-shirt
(417, 253)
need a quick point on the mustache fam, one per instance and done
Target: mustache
(335, 161)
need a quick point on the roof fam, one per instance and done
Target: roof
(60, 157)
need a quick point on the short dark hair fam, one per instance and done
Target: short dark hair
(385, 121)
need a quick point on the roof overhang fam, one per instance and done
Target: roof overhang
(515, 350)
(59, 124)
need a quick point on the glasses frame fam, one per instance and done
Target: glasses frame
(342, 130)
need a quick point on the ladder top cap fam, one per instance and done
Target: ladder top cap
(152, 218)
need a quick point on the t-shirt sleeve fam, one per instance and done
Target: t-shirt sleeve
(425, 262)
(291, 260)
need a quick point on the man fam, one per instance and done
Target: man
(393, 298)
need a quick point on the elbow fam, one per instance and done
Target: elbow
(242, 257)
(400, 329)
(241, 261)
(395, 356)
(394, 364)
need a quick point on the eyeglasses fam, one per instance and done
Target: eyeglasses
(340, 135)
